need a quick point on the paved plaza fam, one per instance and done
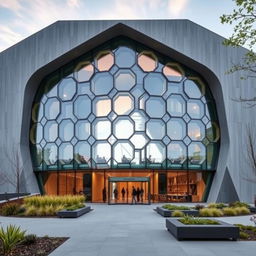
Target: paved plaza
(126, 230)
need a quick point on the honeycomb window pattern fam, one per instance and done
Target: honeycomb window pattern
(124, 105)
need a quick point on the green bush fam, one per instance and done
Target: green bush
(243, 235)
(10, 209)
(29, 239)
(10, 238)
(217, 205)
(199, 206)
(229, 211)
(239, 204)
(177, 213)
(75, 207)
(172, 207)
(210, 212)
(242, 210)
(188, 220)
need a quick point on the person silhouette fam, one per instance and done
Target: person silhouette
(138, 194)
(104, 194)
(123, 193)
(134, 195)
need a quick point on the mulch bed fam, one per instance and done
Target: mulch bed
(42, 247)
(250, 233)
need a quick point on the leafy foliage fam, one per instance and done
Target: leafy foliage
(172, 207)
(239, 204)
(29, 239)
(217, 205)
(210, 212)
(188, 220)
(10, 209)
(177, 213)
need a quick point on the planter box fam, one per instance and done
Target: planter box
(74, 214)
(221, 231)
(252, 209)
(168, 213)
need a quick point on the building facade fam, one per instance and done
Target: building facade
(102, 107)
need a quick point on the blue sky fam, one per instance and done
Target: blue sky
(21, 18)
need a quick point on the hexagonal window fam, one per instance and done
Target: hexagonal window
(194, 87)
(82, 106)
(50, 153)
(147, 61)
(102, 83)
(176, 129)
(139, 119)
(176, 105)
(155, 84)
(84, 71)
(155, 107)
(177, 152)
(102, 106)
(104, 60)
(195, 109)
(67, 89)
(213, 132)
(173, 72)
(37, 155)
(123, 104)
(36, 133)
(82, 152)
(83, 130)
(123, 128)
(196, 153)
(155, 129)
(155, 152)
(123, 152)
(51, 131)
(101, 152)
(125, 57)
(66, 130)
(65, 153)
(101, 129)
(139, 140)
(52, 108)
(196, 130)
(124, 80)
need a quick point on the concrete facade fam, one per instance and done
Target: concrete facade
(25, 64)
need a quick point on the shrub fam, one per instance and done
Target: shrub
(239, 204)
(217, 205)
(29, 239)
(172, 207)
(10, 209)
(177, 213)
(10, 238)
(188, 220)
(210, 212)
(199, 206)
(242, 210)
(31, 211)
(75, 207)
(243, 235)
(229, 211)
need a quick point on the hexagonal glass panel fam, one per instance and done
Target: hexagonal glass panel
(155, 152)
(101, 152)
(176, 129)
(194, 87)
(195, 109)
(176, 152)
(196, 130)
(36, 133)
(52, 108)
(82, 152)
(67, 89)
(51, 131)
(125, 57)
(139, 140)
(50, 153)
(123, 152)
(66, 130)
(176, 105)
(173, 72)
(155, 107)
(82, 106)
(84, 71)
(213, 132)
(102, 83)
(155, 84)
(196, 153)
(155, 129)
(65, 153)
(123, 104)
(101, 129)
(102, 106)
(104, 61)
(124, 80)
(83, 130)
(140, 119)
(147, 61)
(123, 128)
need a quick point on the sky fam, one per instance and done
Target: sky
(22, 18)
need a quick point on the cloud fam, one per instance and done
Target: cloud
(176, 7)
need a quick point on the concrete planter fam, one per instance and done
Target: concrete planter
(221, 231)
(168, 213)
(252, 209)
(75, 213)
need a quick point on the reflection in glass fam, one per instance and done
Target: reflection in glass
(124, 80)
(139, 140)
(36, 133)
(102, 83)
(155, 152)
(155, 129)
(176, 129)
(213, 132)
(125, 57)
(37, 112)
(83, 129)
(82, 152)
(84, 71)
(147, 61)
(102, 129)
(82, 106)
(123, 152)
(155, 107)
(105, 61)
(195, 109)
(102, 107)
(194, 88)
(176, 152)
(65, 153)
(50, 153)
(101, 152)
(196, 153)
(51, 131)
(66, 130)
(67, 89)
(173, 72)
(123, 104)
(52, 108)
(140, 119)
(176, 105)
(196, 130)
(123, 128)
(155, 84)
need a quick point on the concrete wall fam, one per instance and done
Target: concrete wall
(24, 65)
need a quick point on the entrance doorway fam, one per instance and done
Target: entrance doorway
(128, 190)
